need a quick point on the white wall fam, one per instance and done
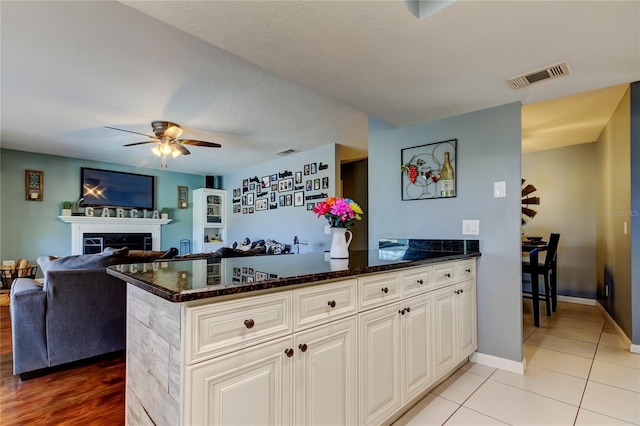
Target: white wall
(488, 151)
(566, 180)
(283, 223)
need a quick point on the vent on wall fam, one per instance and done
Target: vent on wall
(552, 71)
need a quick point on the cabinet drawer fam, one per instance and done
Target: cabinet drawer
(443, 275)
(376, 290)
(465, 270)
(324, 303)
(417, 281)
(219, 328)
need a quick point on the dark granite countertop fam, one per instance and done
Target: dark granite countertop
(185, 280)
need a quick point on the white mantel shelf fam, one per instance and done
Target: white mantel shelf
(81, 225)
(113, 220)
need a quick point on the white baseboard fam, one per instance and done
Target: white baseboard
(577, 300)
(618, 330)
(497, 362)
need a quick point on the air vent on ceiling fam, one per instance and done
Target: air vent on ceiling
(287, 152)
(552, 71)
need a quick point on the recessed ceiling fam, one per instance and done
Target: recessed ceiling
(261, 77)
(569, 120)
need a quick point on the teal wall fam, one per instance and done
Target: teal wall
(29, 229)
(488, 151)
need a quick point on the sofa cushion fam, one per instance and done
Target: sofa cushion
(84, 261)
(150, 255)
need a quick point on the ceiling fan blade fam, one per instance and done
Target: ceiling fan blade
(182, 149)
(199, 143)
(139, 143)
(130, 131)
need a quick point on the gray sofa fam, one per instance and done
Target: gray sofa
(79, 312)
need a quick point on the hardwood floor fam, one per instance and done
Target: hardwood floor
(87, 393)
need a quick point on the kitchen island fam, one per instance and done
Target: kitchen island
(295, 339)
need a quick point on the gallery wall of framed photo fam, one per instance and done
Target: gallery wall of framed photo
(274, 199)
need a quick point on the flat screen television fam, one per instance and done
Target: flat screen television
(106, 188)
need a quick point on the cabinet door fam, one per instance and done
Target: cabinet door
(445, 330)
(416, 345)
(466, 318)
(248, 387)
(325, 374)
(379, 369)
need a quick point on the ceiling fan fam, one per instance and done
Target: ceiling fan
(166, 139)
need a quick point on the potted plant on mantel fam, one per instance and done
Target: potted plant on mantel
(164, 213)
(66, 208)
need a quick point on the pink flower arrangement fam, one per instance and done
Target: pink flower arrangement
(340, 212)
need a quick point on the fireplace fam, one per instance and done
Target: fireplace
(82, 225)
(96, 243)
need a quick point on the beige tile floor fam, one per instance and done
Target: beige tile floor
(578, 373)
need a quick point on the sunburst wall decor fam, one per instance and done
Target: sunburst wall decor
(528, 213)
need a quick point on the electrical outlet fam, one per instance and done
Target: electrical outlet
(470, 227)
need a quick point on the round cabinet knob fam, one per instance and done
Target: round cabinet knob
(448, 275)
(249, 323)
(385, 290)
(401, 312)
(332, 303)
(303, 347)
(461, 291)
(468, 270)
(408, 309)
(420, 282)
(289, 352)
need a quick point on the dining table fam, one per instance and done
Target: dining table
(533, 248)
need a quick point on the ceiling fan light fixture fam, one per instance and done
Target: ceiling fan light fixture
(165, 148)
(156, 151)
(175, 153)
(173, 132)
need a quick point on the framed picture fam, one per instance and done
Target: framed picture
(183, 197)
(285, 184)
(236, 208)
(298, 178)
(298, 199)
(316, 183)
(249, 278)
(244, 200)
(309, 185)
(281, 201)
(272, 197)
(250, 210)
(421, 168)
(252, 186)
(265, 182)
(274, 177)
(288, 199)
(261, 276)
(236, 272)
(313, 168)
(262, 204)
(325, 183)
(244, 210)
(34, 185)
(245, 183)
(306, 169)
(250, 196)
(250, 271)
(310, 206)
(274, 186)
(245, 270)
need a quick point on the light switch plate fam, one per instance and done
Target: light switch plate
(470, 227)
(499, 189)
(327, 229)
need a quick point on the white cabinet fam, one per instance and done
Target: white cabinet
(456, 322)
(250, 387)
(326, 374)
(208, 220)
(379, 366)
(395, 356)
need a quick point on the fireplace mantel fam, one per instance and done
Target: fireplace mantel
(81, 225)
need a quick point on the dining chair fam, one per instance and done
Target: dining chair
(549, 270)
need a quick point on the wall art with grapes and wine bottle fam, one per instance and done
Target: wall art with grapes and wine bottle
(429, 171)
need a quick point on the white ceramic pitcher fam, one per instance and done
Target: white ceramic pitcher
(340, 243)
